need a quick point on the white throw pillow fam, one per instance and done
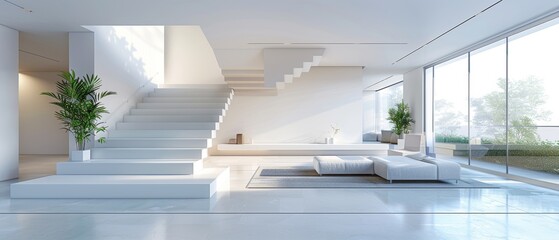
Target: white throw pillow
(417, 156)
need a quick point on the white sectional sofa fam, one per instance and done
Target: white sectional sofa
(411, 167)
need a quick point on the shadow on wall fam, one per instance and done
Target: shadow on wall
(302, 112)
(129, 60)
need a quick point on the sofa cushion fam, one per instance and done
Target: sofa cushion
(343, 165)
(446, 170)
(385, 136)
(417, 156)
(403, 168)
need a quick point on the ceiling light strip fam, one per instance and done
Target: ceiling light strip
(370, 86)
(37, 55)
(18, 6)
(446, 32)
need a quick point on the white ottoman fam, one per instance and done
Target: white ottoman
(446, 170)
(343, 165)
(403, 168)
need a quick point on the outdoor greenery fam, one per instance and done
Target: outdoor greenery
(451, 138)
(400, 117)
(80, 106)
(526, 101)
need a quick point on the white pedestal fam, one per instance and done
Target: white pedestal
(80, 156)
(400, 144)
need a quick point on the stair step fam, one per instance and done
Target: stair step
(182, 105)
(231, 80)
(173, 118)
(162, 134)
(150, 153)
(193, 86)
(167, 126)
(186, 100)
(176, 92)
(242, 73)
(175, 111)
(130, 167)
(201, 185)
(154, 143)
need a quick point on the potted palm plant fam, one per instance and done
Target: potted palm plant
(80, 111)
(400, 117)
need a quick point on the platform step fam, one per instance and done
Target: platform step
(162, 134)
(176, 111)
(154, 143)
(186, 100)
(193, 86)
(167, 126)
(182, 106)
(172, 92)
(173, 118)
(143, 153)
(130, 167)
(201, 185)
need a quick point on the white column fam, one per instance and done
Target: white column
(413, 96)
(82, 61)
(9, 120)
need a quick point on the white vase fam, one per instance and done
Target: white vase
(80, 155)
(331, 140)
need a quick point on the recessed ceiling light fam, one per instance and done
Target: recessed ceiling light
(18, 6)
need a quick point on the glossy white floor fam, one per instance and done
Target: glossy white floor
(513, 211)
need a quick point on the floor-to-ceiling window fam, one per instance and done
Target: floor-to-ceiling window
(488, 106)
(534, 99)
(496, 106)
(385, 99)
(450, 100)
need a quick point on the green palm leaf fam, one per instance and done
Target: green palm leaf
(80, 105)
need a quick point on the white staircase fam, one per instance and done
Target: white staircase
(157, 151)
(281, 66)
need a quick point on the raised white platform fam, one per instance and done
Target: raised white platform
(301, 146)
(302, 149)
(201, 185)
(131, 167)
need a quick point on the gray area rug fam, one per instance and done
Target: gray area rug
(308, 178)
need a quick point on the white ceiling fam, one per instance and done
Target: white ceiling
(231, 25)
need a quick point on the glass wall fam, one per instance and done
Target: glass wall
(533, 98)
(488, 106)
(495, 107)
(385, 99)
(450, 100)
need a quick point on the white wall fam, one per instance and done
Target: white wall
(189, 58)
(9, 140)
(39, 131)
(129, 60)
(413, 96)
(302, 112)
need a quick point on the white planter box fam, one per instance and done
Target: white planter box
(80, 156)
